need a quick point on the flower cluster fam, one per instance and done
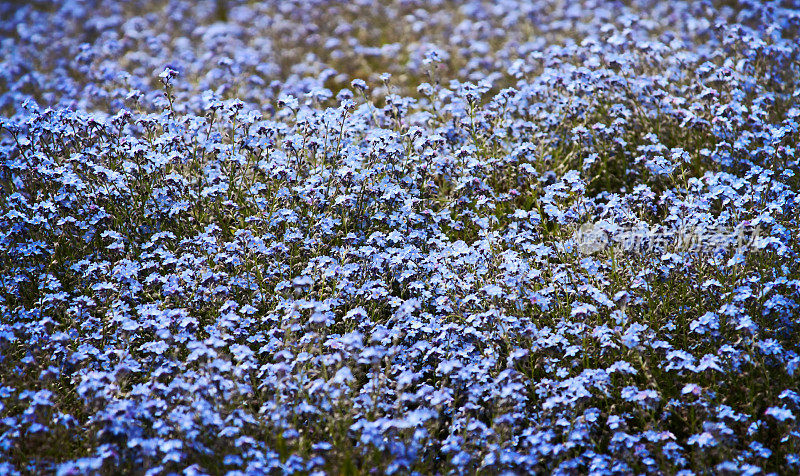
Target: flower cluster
(269, 238)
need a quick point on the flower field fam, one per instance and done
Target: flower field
(400, 237)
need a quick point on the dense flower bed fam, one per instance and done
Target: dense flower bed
(399, 237)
